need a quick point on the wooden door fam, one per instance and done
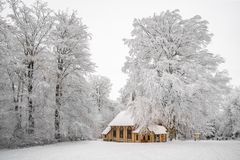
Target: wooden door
(144, 138)
(162, 138)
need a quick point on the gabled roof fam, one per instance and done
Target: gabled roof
(139, 129)
(124, 118)
(106, 130)
(157, 129)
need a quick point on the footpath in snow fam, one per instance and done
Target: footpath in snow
(99, 150)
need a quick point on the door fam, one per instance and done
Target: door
(162, 138)
(144, 138)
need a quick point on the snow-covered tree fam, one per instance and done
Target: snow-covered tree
(44, 62)
(31, 28)
(70, 43)
(229, 123)
(235, 103)
(101, 88)
(170, 69)
(12, 86)
(105, 109)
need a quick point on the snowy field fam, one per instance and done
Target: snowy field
(99, 150)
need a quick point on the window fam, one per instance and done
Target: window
(114, 132)
(129, 133)
(149, 137)
(136, 137)
(121, 132)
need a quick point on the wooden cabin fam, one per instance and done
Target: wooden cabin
(123, 129)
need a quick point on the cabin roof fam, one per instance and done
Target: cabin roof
(106, 130)
(124, 118)
(157, 129)
(137, 130)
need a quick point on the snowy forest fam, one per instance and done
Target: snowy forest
(50, 92)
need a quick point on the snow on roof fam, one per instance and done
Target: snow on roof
(137, 130)
(106, 130)
(124, 118)
(157, 129)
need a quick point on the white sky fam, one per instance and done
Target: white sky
(110, 21)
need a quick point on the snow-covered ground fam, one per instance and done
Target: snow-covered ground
(99, 150)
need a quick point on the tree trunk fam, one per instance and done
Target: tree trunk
(98, 99)
(57, 112)
(18, 128)
(31, 122)
(173, 130)
(58, 100)
(172, 133)
(17, 108)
